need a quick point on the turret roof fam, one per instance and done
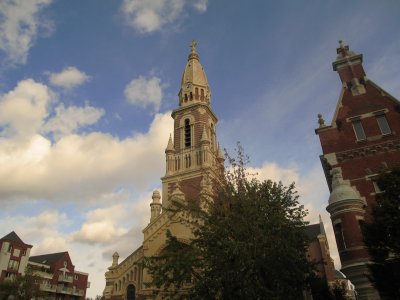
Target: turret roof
(194, 72)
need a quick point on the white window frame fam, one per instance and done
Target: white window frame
(359, 130)
(383, 124)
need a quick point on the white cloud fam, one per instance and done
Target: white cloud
(100, 225)
(47, 217)
(68, 78)
(274, 172)
(200, 5)
(20, 24)
(68, 120)
(23, 109)
(145, 92)
(97, 232)
(78, 167)
(151, 15)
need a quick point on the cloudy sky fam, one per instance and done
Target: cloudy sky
(87, 89)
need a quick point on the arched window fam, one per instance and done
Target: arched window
(130, 292)
(187, 133)
(196, 93)
(202, 94)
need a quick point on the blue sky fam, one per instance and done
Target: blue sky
(87, 88)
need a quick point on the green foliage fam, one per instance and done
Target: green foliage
(249, 243)
(382, 236)
(174, 268)
(321, 291)
(21, 287)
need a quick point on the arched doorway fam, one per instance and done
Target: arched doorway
(130, 292)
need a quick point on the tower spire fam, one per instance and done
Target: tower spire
(194, 84)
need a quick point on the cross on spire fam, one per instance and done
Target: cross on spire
(193, 46)
(343, 48)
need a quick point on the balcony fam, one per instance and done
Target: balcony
(70, 291)
(78, 292)
(42, 274)
(65, 278)
(45, 287)
(64, 290)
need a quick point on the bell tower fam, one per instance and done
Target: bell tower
(193, 158)
(192, 150)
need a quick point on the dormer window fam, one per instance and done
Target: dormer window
(383, 124)
(187, 133)
(359, 130)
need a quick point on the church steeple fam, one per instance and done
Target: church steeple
(194, 84)
(192, 150)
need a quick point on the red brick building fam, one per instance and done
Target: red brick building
(59, 279)
(361, 141)
(318, 253)
(14, 254)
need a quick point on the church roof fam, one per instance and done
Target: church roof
(313, 230)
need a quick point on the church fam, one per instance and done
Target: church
(193, 158)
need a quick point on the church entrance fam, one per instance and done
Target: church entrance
(130, 292)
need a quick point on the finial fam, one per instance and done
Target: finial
(115, 259)
(193, 54)
(321, 226)
(321, 121)
(193, 46)
(170, 145)
(343, 49)
(156, 196)
(219, 153)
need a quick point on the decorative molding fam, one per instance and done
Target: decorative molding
(361, 152)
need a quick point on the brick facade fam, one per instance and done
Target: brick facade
(362, 141)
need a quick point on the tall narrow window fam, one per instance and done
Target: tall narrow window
(383, 124)
(212, 137)
(341, 244)
(359, 130)
(187, 133)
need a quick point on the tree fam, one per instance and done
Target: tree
(382, 236)
(320, 289)
(249, 242)
(21, 287)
